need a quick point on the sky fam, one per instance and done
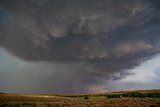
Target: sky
(79, 46)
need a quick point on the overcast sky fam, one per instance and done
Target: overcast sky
(79, 46)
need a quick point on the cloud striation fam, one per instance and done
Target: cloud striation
(95, 38)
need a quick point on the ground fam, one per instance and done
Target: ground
(92, 100)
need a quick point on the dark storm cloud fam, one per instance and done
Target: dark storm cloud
(107, 36)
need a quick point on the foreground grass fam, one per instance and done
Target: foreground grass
(92, 100)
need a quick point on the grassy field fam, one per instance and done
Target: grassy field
(81, 100)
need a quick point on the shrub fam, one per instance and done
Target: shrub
(113, 96)
(141, 95)
(134, 94)
(86, 97)
(153, 95)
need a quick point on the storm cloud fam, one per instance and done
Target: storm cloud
(94, 38)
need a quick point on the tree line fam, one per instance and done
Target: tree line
(130, 94)
(135, 94)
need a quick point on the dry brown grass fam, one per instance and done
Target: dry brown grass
(95, 100)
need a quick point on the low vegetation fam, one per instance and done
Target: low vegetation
(86, 97)
(117, 99)
(113, 96)
(135, 95)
